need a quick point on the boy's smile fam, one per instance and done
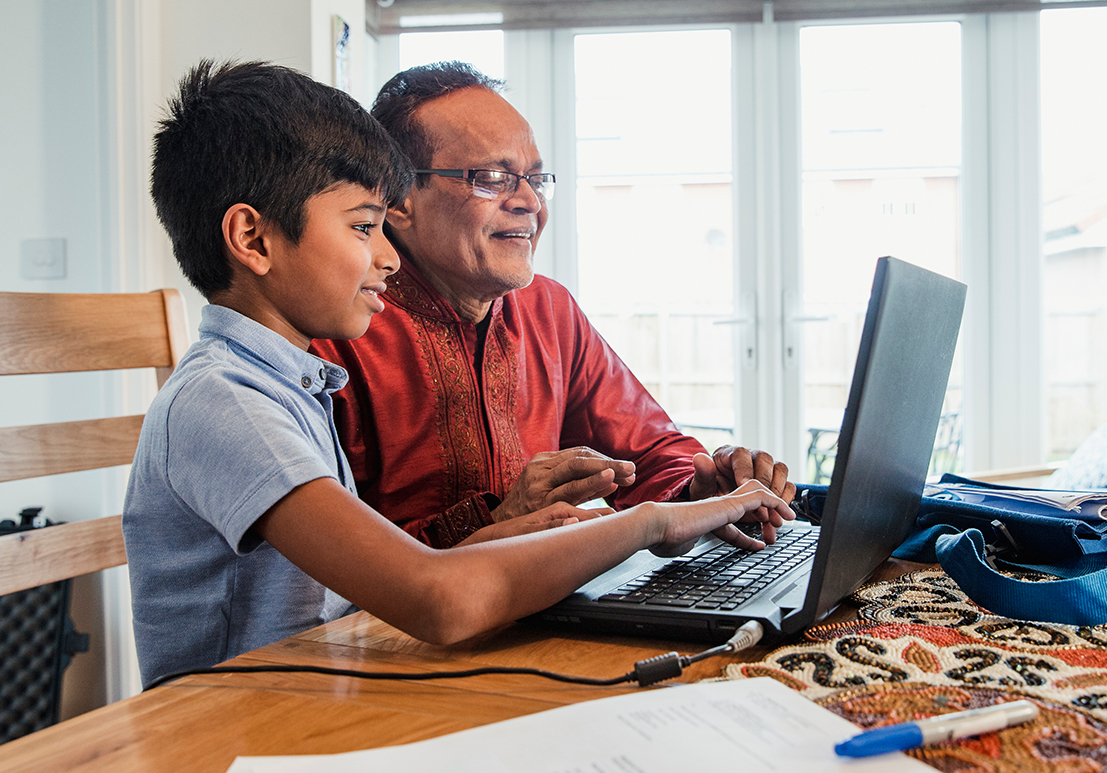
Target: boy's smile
(328, 284)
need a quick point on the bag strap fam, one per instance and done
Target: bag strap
(1080, 599)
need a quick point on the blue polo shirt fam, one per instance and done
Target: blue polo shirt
(244, 419)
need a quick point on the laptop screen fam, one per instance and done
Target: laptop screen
(895, 401)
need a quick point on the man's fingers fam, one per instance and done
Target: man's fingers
(789, 492)
(704, 479)
(578, 467)
(778, 479)
(584, 473)
(736, 462)
(573, 464)
(578, 491)
(763, 469)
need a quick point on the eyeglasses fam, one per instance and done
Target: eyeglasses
(494, 183)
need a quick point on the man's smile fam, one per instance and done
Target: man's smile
(516, 233)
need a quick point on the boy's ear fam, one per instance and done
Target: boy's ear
(246, 233)
(399, 216)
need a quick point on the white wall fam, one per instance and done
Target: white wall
(322, 59)
(50, 180)
(49, 170)
(82, 83)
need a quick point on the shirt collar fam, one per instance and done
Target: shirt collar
(410, 290)
(312, 373)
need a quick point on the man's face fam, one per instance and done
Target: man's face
(473, 249)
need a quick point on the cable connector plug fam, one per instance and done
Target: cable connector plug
(746, 636)
(658, 668)
(671, 665)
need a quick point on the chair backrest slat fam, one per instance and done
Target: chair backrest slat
(52, 449)
(64, 333)
(40, 556)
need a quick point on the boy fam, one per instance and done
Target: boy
(241, 521)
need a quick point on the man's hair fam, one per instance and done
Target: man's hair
(405, 92)
(266, 136)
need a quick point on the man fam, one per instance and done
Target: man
(484, 393)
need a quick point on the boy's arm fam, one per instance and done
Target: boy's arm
(444, 596)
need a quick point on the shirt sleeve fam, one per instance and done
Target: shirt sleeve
(234, 450)
(608, 409)
(444, 530)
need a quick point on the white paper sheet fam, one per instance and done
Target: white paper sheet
(749, 725)
(1046, 501)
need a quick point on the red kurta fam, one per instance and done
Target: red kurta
(433, 447)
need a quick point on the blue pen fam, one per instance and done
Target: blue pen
(944, 727)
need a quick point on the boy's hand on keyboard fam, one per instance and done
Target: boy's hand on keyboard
(730, 463)
(688, 521)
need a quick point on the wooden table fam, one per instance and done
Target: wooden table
(201, 723)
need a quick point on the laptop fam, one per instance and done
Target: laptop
(884, 449)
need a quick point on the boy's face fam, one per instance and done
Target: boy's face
(327, 286)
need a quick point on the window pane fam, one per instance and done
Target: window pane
(1074, 223)
(654, 214)
(881, 132)
(484, 49)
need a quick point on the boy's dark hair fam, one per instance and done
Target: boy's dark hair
(263, 135)
(405, 92)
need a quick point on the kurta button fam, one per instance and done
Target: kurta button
(306, 381)
(322, 374)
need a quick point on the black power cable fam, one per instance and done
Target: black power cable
(646, 672)
(388, 674)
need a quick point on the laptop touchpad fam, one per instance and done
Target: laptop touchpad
(793, 595)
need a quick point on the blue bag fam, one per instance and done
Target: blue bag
(977, 530)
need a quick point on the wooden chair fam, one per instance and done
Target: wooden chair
(63, 333)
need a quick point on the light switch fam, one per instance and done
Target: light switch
(42, 259)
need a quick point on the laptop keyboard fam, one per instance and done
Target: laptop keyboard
(722, 578)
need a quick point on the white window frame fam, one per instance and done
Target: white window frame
(1004, 408)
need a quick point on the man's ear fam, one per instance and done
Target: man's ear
(399, 216)
(246, 235)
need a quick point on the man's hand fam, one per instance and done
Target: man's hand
(560, 514)
(575, 475)
(731, 466)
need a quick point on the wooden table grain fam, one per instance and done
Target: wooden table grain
(201, 723)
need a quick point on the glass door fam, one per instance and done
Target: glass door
(654, 214)
(1074, 225)
(880, 112)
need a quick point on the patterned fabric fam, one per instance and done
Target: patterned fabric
(922, 648)
(1059, 739)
